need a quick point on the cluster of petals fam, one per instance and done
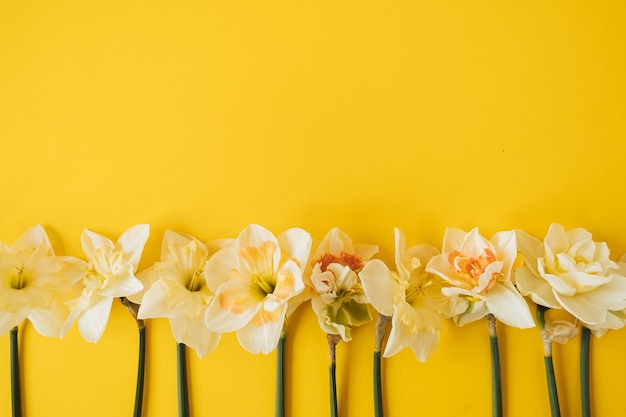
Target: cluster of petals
(478, 272)
(250, 284)
(253, 280)
(175, 288)
(108, 273)
(33, 284)
(336, 291)
(569, 270)
(410, 295)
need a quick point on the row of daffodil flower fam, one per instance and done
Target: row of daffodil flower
(250, 284)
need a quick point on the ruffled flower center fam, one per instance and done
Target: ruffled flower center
(350, 260)
(472, 268)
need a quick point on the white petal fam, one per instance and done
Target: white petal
(611, 296)
(91, 241)
(255, 235)
(365, 252)
(423, 345)
(379, 286)
(400, 244)
(440, 266)
(92, 322)
(263, 338)
(132, 242)
(122, 286)
(334, 242)
(475, 244)
(48, 322)
(296, 243)
(147, 277)
(194, 333)
(556, 239)
(219, 267)
(531, 248)
(452, 240)
(221, 320)
(476, 311)
(508, 306)
(156, 303)
(582, 310)
(11, 320)
(34, 237)
(506, 249)
(536, 288)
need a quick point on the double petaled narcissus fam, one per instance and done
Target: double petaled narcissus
(337, 294)
(478, 272)
(569, 270)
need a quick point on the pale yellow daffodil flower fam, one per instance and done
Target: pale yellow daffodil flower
(571, 271)
(175, 288)
(253, 282)
(108, 273)
(479, 274)
(410, 295)
(33, 283)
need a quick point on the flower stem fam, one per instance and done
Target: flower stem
(183, 397)
(16, 400)
(585, 341)
(496, 377)
(333, 339)
(141, 368)
(555, 410)
(141, 363)
(381, 327)
(279, 401)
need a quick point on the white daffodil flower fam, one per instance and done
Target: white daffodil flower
(338, 298)
(410, 295)
(479, 273)
(253, 281)
(108, 273)
(175, 288)
(33, 283)
(569, 270)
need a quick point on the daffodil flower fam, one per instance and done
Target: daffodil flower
(569, 270)
(410, 295)
(175, 288)
(338, 297)
(253, 282)
(108, 273)
(33, 283)
(479, 273)
(33, 286)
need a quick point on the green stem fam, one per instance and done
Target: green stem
(585, 341)
(378, 392)
(16, 400)
(279, 400)
(381, 328)
(183, 396)
(333, 339)
(141, 367)
(555, 410)
(496, 377)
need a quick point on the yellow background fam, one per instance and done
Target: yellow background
(205, 116)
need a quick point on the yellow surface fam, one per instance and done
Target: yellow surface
(205, 116)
